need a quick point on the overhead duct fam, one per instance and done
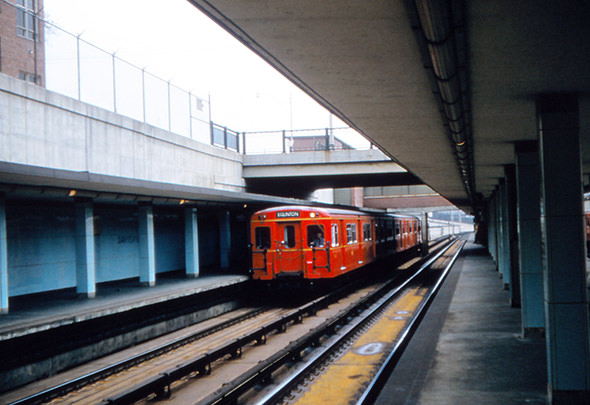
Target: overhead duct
(439, 25)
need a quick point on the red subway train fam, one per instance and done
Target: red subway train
(313, 243)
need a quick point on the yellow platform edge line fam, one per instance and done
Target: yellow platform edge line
(344, 379)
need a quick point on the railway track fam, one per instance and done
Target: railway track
(334, 339)
(195, 368)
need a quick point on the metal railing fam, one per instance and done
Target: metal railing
(225, 138)
(288, 141)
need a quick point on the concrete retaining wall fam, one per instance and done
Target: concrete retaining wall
(42, 128)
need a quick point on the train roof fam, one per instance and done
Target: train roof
(327, 211)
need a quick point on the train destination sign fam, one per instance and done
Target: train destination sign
(288, 214)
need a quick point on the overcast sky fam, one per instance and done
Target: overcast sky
(173, 40)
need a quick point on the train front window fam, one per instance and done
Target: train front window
(262, 237)
(315, 236)
(289, 236)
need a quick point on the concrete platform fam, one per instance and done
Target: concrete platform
(42, 312)
(468, 348)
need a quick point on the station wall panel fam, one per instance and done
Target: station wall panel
(169, 239)
(116, 243)
(208, 238)
(41, 247)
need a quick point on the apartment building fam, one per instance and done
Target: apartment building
(22, 49)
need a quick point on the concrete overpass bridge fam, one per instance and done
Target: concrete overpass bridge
(298, 174)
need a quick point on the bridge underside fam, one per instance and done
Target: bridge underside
(411, 203)
(303, 186)
(406, 76)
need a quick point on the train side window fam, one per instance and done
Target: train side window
(350, 233)
(390, 230)
(315, 236)
(289, 236)
(367, 232)
(335, 239)
(397, 229)
(262, 237)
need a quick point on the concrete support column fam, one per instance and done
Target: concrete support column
(147, 245)
(492, 219)
(424, 235)
(3, 259)
(191, 242)
(496, 222)
(85, 259)
(504, 262)
(512, 236)
(528, 195)
(224, 239)
(564, 264)
(497, 227)
(505, 266)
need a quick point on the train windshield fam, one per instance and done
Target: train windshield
(289, 236)
(315, 236)
(262, 236)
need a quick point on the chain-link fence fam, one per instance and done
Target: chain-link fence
(81, 70)
(76, 68)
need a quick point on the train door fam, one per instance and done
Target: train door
(404, 234)
(261, 244)
(398, 235)
(317, 261)
(351, 248)
(289, 249)
(335, 250)
(367, 254)
(379, 238)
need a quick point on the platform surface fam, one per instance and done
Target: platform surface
(36, 313)
(468, 348)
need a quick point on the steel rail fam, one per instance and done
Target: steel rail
(231, 391)
(160, 384)
(77, 383)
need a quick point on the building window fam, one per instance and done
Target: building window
(28, 77)
(26, 26)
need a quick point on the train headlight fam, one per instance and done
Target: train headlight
(312, 215)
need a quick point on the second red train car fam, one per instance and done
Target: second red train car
(323, 243)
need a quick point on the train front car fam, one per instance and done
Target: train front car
(310, 243)
(291, 242)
